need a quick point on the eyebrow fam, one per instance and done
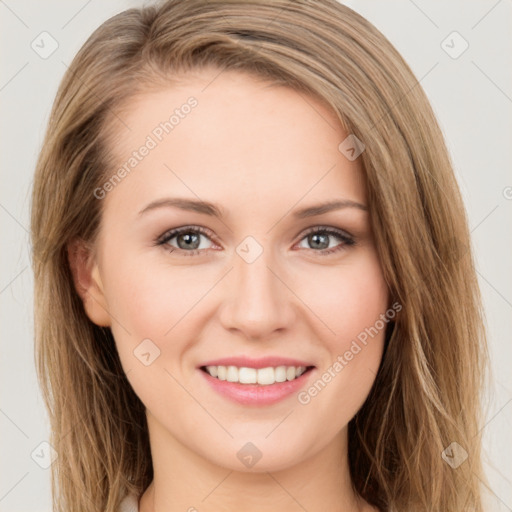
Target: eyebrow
(207, 208)
(327, 206)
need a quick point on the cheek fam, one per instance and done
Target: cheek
(153, 310)
(150, 300)
(348, 298)
(352, 301)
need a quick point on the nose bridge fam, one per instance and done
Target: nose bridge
(257, 302)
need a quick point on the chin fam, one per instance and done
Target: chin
(259, 453)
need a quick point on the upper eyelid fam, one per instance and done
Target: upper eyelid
(171, 233)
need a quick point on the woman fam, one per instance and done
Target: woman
(259, 370)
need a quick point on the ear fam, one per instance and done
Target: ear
(88, 283)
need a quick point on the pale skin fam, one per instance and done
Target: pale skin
(260, 153)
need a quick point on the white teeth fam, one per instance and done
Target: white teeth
(262, 376)
(247, 375)
(280, 373)
(221, 372)
(232, 374)
(267, 376)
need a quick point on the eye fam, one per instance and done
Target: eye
(187, 238)
(319, 236)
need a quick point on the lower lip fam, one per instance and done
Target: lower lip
(256, 394)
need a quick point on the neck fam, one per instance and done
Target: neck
(185, 481)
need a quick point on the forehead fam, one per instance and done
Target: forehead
(218, 134)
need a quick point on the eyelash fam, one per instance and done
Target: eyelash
(169, 235)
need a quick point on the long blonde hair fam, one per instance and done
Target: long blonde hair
(427, 393)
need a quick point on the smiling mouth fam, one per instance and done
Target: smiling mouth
(263, 376)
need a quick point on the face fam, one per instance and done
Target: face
(253, 279)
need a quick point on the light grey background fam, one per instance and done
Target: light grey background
(471, 95)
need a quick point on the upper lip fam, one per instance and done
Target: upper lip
(263, 362)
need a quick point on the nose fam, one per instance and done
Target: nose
(258, 301)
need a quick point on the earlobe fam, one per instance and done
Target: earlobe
(87, 281)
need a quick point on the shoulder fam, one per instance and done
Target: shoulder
(130, 503)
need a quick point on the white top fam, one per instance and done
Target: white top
(130, 503)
